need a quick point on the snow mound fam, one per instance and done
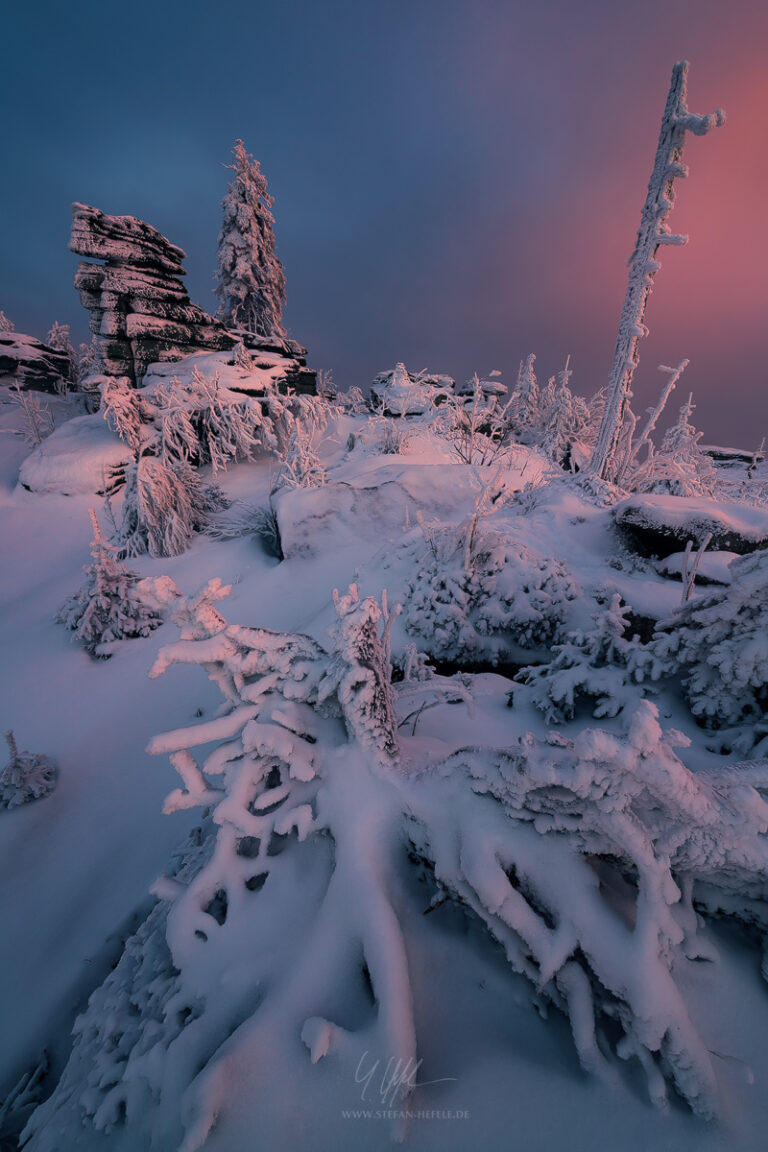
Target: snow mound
(377, 500)
(661, 525)
(81, 457)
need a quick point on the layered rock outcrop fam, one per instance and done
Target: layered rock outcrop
(140, 309)
(31, 364)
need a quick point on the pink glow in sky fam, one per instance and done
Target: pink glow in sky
(456, 184)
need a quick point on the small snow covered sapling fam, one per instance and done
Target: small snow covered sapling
(242, 359)
(598, 665)
(301, 465)
(107, 607)
(58, 338)
(480, 591)
(27, 776)
(360, 671)
(37, 418)
(718, 641)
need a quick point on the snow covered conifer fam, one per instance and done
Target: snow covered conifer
(6, 325)
(694, 472)
(526, 401)
(106, 607)
(719, 641)
(596, 665)
(26, 776)
(251, 281)
(360, 672)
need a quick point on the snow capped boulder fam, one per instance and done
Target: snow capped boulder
(82, 456)
(488, 388)
(661, 525)
(30, 363)
(714, 567)
(140, 309)
(401, 394)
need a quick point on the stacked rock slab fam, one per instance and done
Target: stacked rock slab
(140, 309)
(28, 363)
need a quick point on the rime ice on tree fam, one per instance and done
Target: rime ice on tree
(106, 607)
(27, 776)
(251, 281)
(643, 265)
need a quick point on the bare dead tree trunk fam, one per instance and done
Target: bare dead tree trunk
(643, 266)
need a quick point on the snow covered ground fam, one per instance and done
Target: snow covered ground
(495, 1067)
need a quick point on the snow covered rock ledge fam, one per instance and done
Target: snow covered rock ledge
(30, 363)
(661, 525)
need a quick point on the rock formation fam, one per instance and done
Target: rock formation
(31, 364)
(140, 309)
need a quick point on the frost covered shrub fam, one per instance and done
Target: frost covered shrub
(206, 423)
(497, 595)
(243, 519)
(679, 467)
(37, 418)
(164, 505)
(598, 665)
(560, 422)
(27, 776)
(360, 672)
(719, 643)
(476, 426)
(107, 607)
(58, 338)
(125, 411)
(301, 465)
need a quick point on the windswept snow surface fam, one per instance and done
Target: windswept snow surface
(76, 867)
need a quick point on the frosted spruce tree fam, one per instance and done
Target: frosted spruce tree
(106, 607)
(251, 281)
(27, 776)
(643, 264)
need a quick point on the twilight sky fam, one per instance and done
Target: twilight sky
(457, 182)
